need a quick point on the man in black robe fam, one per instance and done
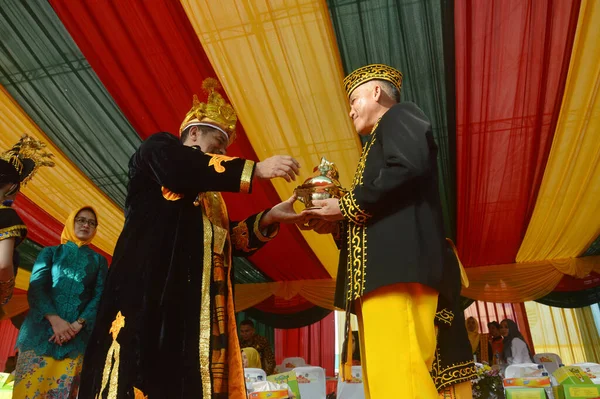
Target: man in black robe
(166, 325)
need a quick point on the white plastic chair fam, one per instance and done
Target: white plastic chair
(294, 361)
(311, 381)
(549, 360)
(522, 370)
(354, 389)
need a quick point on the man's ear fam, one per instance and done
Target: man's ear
(376, 92)
(193, 134)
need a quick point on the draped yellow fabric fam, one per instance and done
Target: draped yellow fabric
(570, 333)
(521, 282)
(319, 292)
(566, 218)
(22, 279)
(64, 187)
(279, 64)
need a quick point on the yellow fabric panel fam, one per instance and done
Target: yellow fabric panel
(566, 218)
(17, 305)
(521, 282)
(60, 189)
(279, 64)
(22, 279)
(319, 292)
(570, 333)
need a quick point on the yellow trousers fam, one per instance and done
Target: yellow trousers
(397, 341)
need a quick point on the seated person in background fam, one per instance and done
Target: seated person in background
(251, 358)
(479, 342)
(355, 348)
(249, 339)
(495, 343)
(516, 350)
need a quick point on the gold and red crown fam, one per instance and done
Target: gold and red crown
(215, 112)
(372, 72)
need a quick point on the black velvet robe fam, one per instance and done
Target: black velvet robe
(393, 219)
(160, 279)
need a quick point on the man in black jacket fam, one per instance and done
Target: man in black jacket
(392, 260)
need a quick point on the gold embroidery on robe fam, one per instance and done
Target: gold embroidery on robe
(170, 195)
(114, 354)
(241, 237)
(217, 159)
(139, 394)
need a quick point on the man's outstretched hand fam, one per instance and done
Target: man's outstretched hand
(278, 166)
(282, 213)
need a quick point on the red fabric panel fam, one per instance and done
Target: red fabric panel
(151, 61)
(41, 227)
(570, 283)
(8, 339)
(314, 343)
(275, 304)
(512, 59)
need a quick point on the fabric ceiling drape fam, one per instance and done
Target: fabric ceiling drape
(512, 59)
(289, 57)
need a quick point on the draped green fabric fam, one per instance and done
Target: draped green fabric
(594, 249)
(44, 71)
(410, 36)
(571, 299)
(28, 252)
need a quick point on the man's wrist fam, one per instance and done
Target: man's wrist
(266, 220)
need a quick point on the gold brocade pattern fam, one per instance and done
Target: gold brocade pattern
(111, 371)
(445, 316)
(216, 160)
(205, 321)
(356, 269)
(246, 181)
(453, 374)
(241, 237)
(18, 230)
(372, 72)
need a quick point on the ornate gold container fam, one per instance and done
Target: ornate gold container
(323, 185)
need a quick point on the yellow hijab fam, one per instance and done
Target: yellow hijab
(253, 358)
(473, 334)
(68, 233)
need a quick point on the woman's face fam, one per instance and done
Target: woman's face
(471, 324)
(244, 360)
(504, 329)
(85, 225)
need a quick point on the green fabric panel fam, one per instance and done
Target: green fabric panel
(413, 37)
(28, 253)
(244, 272)
(261, 329)
(571, 299)
(594, 249)
(44, 71)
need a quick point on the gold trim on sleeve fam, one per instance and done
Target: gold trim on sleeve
(352, 211)
(18, 230)
(261, 237)
(241, 237)
(246, 181)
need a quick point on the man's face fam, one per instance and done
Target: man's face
(363, 106)
(246, 332)
(494, 331)
(211, 141)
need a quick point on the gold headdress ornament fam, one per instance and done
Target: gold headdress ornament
(216, 112)
(27, 156)
(372, 72)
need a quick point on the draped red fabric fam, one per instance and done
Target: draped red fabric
(149, 58)
(276, 304)
(8, 339)
(570, 283)
(41, 227)
(314, 343)
(512, 59)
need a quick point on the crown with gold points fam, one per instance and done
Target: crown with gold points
(27, 156)
(372, 72)
(215, 112)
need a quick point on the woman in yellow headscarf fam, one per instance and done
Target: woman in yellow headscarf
(64, 292)
(479, 342)
(253, 358)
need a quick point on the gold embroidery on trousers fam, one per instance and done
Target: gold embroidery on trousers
(114, 354)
